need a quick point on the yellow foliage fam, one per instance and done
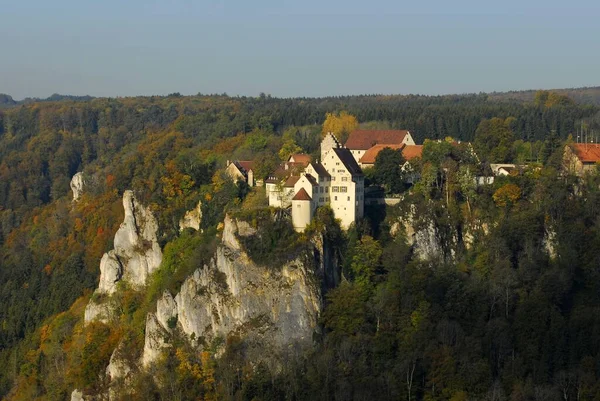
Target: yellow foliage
(507, 194)
(340, 124)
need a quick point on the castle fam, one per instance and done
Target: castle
(336, 180)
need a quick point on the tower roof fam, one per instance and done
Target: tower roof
(302, 195)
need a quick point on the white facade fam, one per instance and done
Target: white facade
(346, 189)
(336, 180)
(302, 214)
(279, 195)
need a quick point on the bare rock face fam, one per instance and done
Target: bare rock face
(102, 311)
(271, 309)
(136, 244)
(166, 310)
(155, 341)
(111, 271)
(420, 235)
(550, 242)
(192, 218)
(135, 256)
(77, 184)
(77, 395)
(159, 325)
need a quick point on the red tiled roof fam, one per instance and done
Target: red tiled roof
(302, 195)
(285, 170)
(412, 151)
(291, 181)
(587, 152)
(300, 158)
(409, 152)
(371, 154)
(365, 139)
(246, 165)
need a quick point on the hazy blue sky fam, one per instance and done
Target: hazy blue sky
(295, 48)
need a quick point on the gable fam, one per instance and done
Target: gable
(342, 155)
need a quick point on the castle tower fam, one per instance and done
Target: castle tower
(328, 143)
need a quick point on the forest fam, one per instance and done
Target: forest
(505, 311)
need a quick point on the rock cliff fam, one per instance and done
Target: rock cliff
(268, 308)
(135, 256)
(192, 218)
(77, 184)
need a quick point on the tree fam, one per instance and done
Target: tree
(340, 125)
(366, 261)
(507, 195)
(388, 169)
(289, 148)
(494, 139)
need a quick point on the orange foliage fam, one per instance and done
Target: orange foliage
(506, 195)
(110, 181)
(229, 145)
(48, 270)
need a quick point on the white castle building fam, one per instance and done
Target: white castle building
(336, 180)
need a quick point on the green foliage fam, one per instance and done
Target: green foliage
(365, 262)
(388, 170)
(497, 317)
(275, 241)
(494, 139)
(181, 257)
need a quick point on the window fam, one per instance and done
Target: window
(344, 178)
(321, 200)
(348, 199)
(335, 197)
(332, 178)
(327, 199)
(321, 189)
(337, 163)
(335, 189)
(343, 189)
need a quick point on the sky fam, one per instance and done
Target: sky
(295, 48)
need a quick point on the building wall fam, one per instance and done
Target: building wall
(408, 139)
(346, 191)
(328, 143)
(234, 172)
(278, 195)
(302, 214)
(357, 153)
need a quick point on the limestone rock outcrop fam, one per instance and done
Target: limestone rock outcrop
(270, 308)
(135, 256)
(192, 218)
(421, 235)
(77, 395)
(158, 327)
(155, 341)
(77, 184)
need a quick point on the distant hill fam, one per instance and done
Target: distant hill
(587, 95)
(8, 101)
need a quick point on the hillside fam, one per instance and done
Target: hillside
(586, 95)
(458, 292)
